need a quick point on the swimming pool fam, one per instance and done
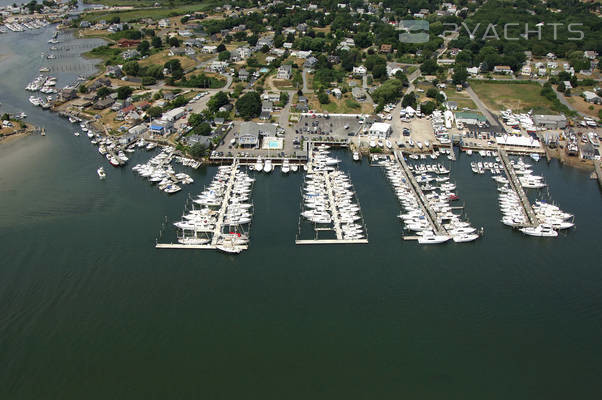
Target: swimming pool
(274, 144)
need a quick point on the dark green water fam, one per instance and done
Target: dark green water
(90, 310)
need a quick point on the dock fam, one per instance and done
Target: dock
(598, 169)
(333, 208)
(331, 241)
(216, 233)
(518, 188)
(424, 204)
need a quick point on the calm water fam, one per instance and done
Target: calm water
(89, 309)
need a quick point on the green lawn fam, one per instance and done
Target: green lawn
(515, 96)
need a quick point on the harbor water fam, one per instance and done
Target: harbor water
(90, 309)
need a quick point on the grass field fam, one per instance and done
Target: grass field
(344, 105)
(154, 13)
(162, 57)
(582, 106)
(514, 96)
(463, 99)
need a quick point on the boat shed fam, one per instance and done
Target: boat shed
(550, 121)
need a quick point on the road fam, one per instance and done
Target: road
(305, 88)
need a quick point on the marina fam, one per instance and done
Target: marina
(220, 216)
(329, 203)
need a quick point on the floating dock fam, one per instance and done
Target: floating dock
(518, 188)
(424, 204)
(216, 233)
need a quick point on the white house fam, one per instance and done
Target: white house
(208, 49)
(359, 71)
(381, 130)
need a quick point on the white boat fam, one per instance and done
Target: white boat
(101, 173)
(75, 133)
(428, 237)
(258, 164)
(286, 166)
(465, 237)
(267, 166)
(388, 144)
(294, 167)
(539, 230)
(356, 156)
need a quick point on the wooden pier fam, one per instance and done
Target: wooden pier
(424, 204)
(518, 188)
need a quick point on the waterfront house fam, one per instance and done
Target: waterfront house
(103, 103)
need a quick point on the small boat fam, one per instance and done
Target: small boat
(267, 167)
(294, 167)
(286, 166)
(101, 173)
(356, 156)
(388, 144)
(76, 133)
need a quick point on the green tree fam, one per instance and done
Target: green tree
(124, 92)
(224, 55)
(131, 68)
(217, 100)
(103, 92)
(156, 42)
(154, 112)
(249, 105)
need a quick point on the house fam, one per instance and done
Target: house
(302, 27)
(226, 108)
(445, 61)
(129, 54)
(551, 56)
(243, 74)
(265, 41)
(249, 133)
(265, 115)
(525, 70)
(185, 33)
(359, 71)
(591, 97)
(473, 71)
(287, 45)
(267, 105)
(163, 23)
(114, 71)
(333, 59)
(567, 85)
(454, 52)
(591, 55)
(285, 71)
(241, 53)
(128, 42)
(84, 24)
(208, 49)
(113, 28)
(452, 105)
(336, 92)
(67, 94)
(218, 66)
(310, 62)
(386, 48)
(358, 93)
(502, 69)
(550, 121)
(103, 103)
(176, 51)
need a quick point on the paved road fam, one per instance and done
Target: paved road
(305, 88)
(483, 109)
